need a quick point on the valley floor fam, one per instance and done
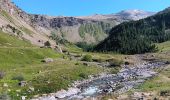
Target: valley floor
(22, 72)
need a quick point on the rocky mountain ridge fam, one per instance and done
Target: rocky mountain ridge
(122, 15)
(36, 28)
(66, 26)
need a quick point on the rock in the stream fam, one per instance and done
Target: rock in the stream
(47, 60)
(5, 85)
(63, 93)
(23, 97)
(48, 98)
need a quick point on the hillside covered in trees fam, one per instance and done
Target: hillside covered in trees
(98, 30)
(138, 36)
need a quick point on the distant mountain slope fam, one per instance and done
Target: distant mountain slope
(134, 14)
(40, 28)
(94, 28)
(123, 15)
(137, 36)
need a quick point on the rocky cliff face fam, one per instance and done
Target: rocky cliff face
(90, 29)
(56, 22)
(71, 26)
(17, 22)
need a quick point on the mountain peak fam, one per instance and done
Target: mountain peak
(134, 14)
(132, 11)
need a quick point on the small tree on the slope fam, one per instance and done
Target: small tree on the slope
(47, 43)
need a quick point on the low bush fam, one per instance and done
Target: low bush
(83, 75)
(85, 46)
(18, 77)
(99, 60)
(115, 70)
(114, 62)
(47, 43)
(87, 58)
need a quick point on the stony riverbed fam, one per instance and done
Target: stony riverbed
(126, 79)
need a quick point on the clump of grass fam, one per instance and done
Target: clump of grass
(18, 77)
(114, 62)
(115, 70)
(83, 75)
(87, 58)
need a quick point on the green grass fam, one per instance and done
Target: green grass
(21, 56)
(165, 46)
(60, 74)
(157, 84)
(47, 78)
(18, 58)
(12, 41)
(73, 48)
(116, 58)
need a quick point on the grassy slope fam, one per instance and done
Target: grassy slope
(20, 58)
(11, 41)
(164, 46)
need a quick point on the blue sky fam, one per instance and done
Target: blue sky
(88, 7)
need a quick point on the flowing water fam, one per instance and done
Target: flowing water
(126, 79)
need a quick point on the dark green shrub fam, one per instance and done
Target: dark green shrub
(115, 70)
(18, 77)
(83, 75)
(114, 62)
(87, 58)
(99, 60)
(47, 43)
(85, 46)
(77, 63)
